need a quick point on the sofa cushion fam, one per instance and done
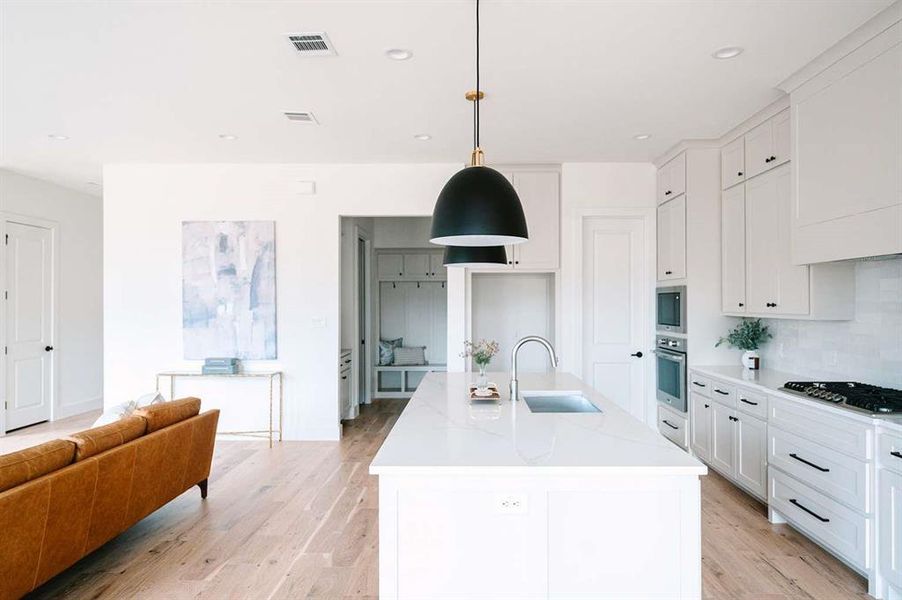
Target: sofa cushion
(18, 467)
(100, 439)
(165, 414)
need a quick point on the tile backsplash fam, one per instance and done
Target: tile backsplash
(868, 349)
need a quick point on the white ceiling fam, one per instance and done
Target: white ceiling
(566, 80)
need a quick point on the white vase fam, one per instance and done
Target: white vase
(751, 360)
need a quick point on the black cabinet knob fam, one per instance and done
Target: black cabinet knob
(741, 305)
(48, 348)
(510, 262)
(668, 272)
(707, 406)
(668, 192)
(739, 174)
(637, 354)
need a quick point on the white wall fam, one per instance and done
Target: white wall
(144, 206)
(79, 346)
(403, 232)
(586, 186)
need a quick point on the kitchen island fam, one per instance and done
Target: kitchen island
(493, 500)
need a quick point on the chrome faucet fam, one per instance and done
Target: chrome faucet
(515, 387)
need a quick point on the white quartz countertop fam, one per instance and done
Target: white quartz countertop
(440, 431)
(770, 381)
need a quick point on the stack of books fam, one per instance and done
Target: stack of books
(220, 366)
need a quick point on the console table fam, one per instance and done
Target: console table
(273, 376)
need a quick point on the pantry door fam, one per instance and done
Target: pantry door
(615, 310)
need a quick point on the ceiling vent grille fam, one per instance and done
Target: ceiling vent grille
(312, 44)
(301, 117)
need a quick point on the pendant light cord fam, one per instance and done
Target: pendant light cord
(476, 107)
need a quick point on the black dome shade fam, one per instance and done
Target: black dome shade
(478, 207)
(474, 256)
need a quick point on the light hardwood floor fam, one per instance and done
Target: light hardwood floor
(300, 521)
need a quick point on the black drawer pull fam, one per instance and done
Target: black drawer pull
(896, 454)
(699, 384)
(721, 392)
(739, 173)
(733, 418)
(707, 406)
(810, 512)
(748, 402)
(810, 464)
(668, 272)
(666, 422)
(668, 192)
(345, 377)
(347, 361)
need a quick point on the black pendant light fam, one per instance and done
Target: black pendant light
(474, 256)
(478, 206)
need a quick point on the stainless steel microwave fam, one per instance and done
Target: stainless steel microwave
(671, 309)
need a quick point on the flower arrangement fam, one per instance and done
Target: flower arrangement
(748, 335)
(481, 352)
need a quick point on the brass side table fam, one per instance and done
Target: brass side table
(273, 376)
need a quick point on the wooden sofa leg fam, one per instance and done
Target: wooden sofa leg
(203, 488)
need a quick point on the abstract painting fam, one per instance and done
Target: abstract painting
(229, 289)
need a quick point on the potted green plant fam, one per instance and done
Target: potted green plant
(481, 352)
(748, 336)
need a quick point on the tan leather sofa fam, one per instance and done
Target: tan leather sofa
(61, 500)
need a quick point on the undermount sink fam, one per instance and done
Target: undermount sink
(558, 402)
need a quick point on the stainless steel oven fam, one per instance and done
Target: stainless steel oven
(670, 367)
(671, 309)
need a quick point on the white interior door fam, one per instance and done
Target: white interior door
(615, 310)
(29, 276)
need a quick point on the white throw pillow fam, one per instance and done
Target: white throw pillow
(410, 355)
(120, 411)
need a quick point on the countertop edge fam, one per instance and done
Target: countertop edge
(684, 471)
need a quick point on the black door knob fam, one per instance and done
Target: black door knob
(48, 348)
(637, 354)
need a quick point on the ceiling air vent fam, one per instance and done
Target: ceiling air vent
(301, 117)
(312, 44)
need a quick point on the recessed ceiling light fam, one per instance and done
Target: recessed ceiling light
(423, 137)
(55, 136)
(227, 136)
(727, 52)
(398, 54)
(641, 136)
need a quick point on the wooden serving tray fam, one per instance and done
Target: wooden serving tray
(495, 395)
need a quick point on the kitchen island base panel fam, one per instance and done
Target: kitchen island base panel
(539, 536)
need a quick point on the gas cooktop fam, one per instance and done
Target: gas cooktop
(862, 397)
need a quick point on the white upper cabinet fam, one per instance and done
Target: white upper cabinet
(732, 163)
(767, 145)
(672, 178)
(847, 150)
(774, 284)
(672, 239)
(412, 265)
(539, 193)
(437, 268)
(390, 266)
(416, 266)
(732, 216)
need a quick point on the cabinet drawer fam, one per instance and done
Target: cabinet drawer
(700, 384)
(840, 529)
(836, 475)
(889, 450)
(751, 402)
(723, 393)
(821, 426)
(673, 426)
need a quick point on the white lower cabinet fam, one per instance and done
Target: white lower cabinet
(751, 454)
(674, 426)
(731, 441)
(889, 507)
(700, 428)
(723, 439)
